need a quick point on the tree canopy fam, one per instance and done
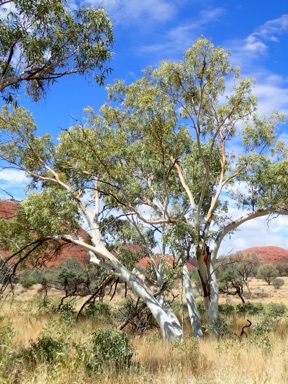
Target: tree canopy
(42, 41)
(159, 153)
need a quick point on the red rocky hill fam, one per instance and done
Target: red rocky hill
(8, 209)
(270, 255)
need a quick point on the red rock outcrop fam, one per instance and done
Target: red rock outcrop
(270, 254)
(8, 208)
(169, 260)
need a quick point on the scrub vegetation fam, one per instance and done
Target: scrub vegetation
(48, 346)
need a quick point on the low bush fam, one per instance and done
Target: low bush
(220, 328)
(99, 310)
(45, 350)
(249, 309)
(275, 310)
(111, 349)
(28, 281)
(226, 309)
(277, 283)
(261, 329)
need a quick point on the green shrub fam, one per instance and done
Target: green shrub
(7, 352)
(220, 327)
(98, 309)
(282, 268)
(201, 307)
(275, 310)
(226, 309)
(111, 349)
(28, 282)
(277, 283)
(261, 329)
(249, 308)
(46, 349)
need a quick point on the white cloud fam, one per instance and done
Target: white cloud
(11, 177)
(181, 37)
(132, 12)
(12, 184)
(257, 232)
(272, 92)
(253, 45)
(273, 28)
(250, 54)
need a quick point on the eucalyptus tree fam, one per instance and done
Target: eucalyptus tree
(159, 151)
(182, 119)
(41, 41)
(65, 173)
(214, 115)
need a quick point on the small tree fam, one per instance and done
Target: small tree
(282, 269)
(277, 283)
(267, 272)
(230, 282)
(235, 271)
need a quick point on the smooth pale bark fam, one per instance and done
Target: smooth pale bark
(154, 288)
(213, 312)
(214, 293)
(99, 255)
(191, 304)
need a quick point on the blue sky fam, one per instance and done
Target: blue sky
(148, 31)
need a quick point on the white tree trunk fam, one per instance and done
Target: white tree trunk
(191, 304)
(160, 309)
(213, 312)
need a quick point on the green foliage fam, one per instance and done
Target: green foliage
(220, 328)
(45, 349)
(250, 309)
(111, 349)
(7, 351)
(189, 349)
(28, 282)
(267, 272)
(262, 342)
(282, 268)
(275, 310)
(278, 283)
(98, 310)
(41, 42)
(226, 309)
(261, 329)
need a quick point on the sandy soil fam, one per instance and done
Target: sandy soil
(260, 291)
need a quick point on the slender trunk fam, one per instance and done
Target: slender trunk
(241, 297)
(160, 309)
(248, 287)
(213, 312)
(191, 304)
(203, 274)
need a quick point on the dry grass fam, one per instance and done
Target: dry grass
(256, 360)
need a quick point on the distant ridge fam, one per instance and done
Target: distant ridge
(8, 209)
(270, 254)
